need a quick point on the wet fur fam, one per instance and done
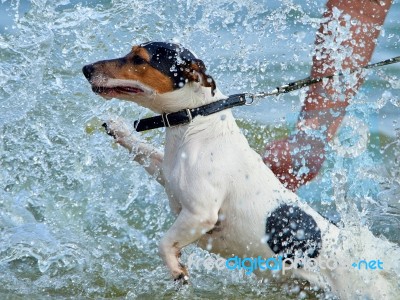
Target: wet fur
(212, 177)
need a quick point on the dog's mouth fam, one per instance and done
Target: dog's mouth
(108, 91)
(120, 88)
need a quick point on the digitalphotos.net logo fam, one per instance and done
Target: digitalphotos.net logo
(275, 264)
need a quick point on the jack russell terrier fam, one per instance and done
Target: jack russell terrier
(224, 196)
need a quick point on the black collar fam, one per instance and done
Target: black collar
(186, 116)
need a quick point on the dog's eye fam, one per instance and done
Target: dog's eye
(137, 60)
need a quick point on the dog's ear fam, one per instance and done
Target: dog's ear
(195, 70)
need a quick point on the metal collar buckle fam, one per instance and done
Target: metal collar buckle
(168, 124)
(189, 115)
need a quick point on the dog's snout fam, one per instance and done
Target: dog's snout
(88, 71)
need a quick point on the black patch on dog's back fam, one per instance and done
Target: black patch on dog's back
(289, 230)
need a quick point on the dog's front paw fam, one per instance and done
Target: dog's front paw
(108, 130)
(121, 132)
(117, 128)
(183, 274)
(183, 278)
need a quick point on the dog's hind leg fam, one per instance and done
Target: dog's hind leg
(146, 155)
(188, 228)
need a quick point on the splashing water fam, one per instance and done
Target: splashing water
(79, 219)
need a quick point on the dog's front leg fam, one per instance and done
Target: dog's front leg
(146, 155)
(188, 228)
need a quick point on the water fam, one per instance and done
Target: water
(78, 218)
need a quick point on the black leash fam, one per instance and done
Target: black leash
(309, 80)
(186, 116)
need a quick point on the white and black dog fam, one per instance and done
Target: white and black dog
(224, 196)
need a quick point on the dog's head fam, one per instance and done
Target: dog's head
(153, 68)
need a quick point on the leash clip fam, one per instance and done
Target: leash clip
(253, 98)
(249, 98)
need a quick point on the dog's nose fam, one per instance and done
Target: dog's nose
(88, 71)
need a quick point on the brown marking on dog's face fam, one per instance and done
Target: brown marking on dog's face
(132, 67)
(155, 66)
(136, 67)
(196, 71)
(140, 51)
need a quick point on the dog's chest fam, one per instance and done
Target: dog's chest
(194, 162)
(184, 165)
